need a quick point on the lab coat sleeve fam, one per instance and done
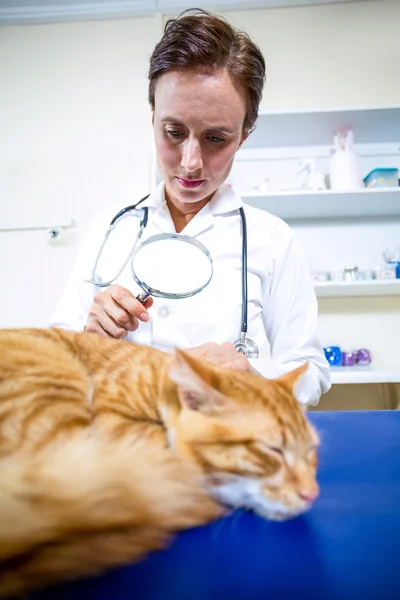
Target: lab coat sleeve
(290, 312)
(73, 308)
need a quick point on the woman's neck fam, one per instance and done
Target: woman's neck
(183, 212)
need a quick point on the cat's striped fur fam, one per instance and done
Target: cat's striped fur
(107, 448)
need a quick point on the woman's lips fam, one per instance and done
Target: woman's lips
(190, 183)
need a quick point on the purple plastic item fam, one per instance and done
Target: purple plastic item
(348, 359)
(363, 357)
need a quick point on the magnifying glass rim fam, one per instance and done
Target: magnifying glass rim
(181, 238)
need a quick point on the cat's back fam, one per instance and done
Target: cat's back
(27, 350)
(22, 348)
(53, 381)
(35, 357)
(44, 387)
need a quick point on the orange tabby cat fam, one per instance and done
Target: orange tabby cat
(107, 448)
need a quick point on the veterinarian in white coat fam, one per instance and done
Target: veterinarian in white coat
(201, 117)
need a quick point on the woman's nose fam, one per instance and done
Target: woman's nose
(191, 158)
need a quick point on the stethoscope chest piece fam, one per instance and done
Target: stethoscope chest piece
(247, 347)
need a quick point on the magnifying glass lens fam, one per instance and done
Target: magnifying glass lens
(172, 266)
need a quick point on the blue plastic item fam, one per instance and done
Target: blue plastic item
(397, 263)
(382, 178)
(333, 355)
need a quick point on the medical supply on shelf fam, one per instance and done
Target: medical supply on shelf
(318, 276)
(336, 275)
(315, 179)
(333, 355)
(378, 178)
(365, 275)
(386, 271)
(392, 258)
(344, 167)
(337, 357)
(348, 359)
(350, 274)
(363, 357)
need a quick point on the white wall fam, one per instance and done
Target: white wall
(75, 137)
(328, 56)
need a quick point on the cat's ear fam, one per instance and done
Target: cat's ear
(195, 384)
(293, 379)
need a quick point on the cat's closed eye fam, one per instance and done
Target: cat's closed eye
(267, 449)
(275, 450)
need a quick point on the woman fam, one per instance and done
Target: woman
(205, 86)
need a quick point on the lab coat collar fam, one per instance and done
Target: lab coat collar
(223, 201)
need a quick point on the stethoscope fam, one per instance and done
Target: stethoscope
(243, 345)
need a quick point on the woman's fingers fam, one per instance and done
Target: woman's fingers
(115, 311)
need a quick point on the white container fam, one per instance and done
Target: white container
(387, 271)
(344, 166)
(344, 171)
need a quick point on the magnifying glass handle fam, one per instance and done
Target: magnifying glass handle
(143, 297)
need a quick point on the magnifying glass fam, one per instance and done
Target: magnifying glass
(171, 265)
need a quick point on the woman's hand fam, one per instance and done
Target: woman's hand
(116, 311)
(224, 355)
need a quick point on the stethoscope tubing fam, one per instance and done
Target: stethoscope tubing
(143, 224)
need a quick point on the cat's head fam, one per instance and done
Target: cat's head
(249, 436)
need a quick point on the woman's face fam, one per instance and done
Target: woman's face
(198, 127)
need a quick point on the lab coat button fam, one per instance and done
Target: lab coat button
(163, 312)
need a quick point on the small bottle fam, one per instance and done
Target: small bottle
(333, 355)
(363, 357)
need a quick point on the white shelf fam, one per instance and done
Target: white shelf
(317, 128)
(375, 287)
(348, 376)
(305, 205)
(22, 223)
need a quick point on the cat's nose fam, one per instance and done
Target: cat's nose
(309, 496)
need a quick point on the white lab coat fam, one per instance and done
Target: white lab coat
(282, 306)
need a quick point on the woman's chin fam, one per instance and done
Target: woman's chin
(189, 194)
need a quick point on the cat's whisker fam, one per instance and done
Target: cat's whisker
(217, 526)
(235, 519)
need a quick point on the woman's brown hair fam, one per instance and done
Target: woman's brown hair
(200, 40)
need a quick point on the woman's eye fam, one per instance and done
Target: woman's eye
(174, 133)
(215, 140)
